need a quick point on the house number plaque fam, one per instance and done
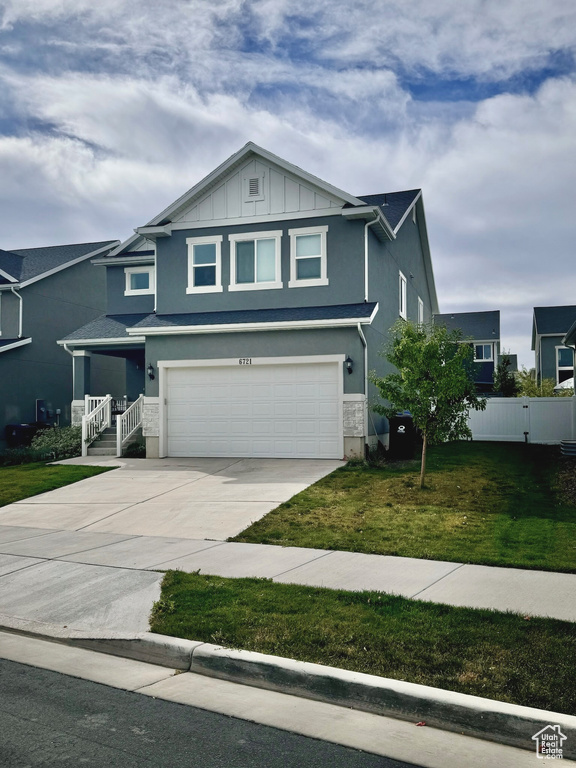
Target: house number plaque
(244, 361)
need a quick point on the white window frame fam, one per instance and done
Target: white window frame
(323, 279)
(209, 240)
(402, 296)
(563, 367)
(275, 235)
(420, 311)
(129, 271)
(483, 344)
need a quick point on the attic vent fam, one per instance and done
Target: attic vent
(253, 184)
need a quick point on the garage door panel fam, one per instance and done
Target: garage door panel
(261, 411)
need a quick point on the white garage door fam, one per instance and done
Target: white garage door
(281, 411)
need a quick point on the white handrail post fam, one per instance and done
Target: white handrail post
(119, 424)
(109, 411)
(84, 437)
(86, 405)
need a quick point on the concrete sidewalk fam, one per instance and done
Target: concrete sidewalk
(88, 579)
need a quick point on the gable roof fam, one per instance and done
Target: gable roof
(480, 326)
(554, 319)
(105, 327)
(25, 265)
(394, 205)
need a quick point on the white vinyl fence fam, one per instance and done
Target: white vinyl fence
(525, 419)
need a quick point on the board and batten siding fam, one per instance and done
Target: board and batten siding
(281, 193)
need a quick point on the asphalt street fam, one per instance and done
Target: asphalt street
(49, 719)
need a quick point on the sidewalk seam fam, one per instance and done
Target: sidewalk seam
(460, 565)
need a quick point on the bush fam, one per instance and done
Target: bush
(135, 450)
(529, 387)
(58, 443)
(13, 456)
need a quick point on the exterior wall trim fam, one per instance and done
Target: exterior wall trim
(232, 327)
(19, 343)
(100, 342)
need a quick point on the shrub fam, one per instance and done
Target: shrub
(135, 450)
(13, 456)
(58, 443)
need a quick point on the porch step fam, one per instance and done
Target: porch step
(101, 451)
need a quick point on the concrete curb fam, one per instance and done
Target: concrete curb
(494, 721)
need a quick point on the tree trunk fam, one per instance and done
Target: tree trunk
(423, 465)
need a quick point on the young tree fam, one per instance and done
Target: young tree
(504, 379)
(434, 382)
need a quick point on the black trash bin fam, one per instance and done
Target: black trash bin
(402, 437)
(19, 435)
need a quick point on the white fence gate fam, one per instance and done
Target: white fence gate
(525, 419)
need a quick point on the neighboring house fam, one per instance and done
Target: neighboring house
(252, 310)
(44, 294)
(482, 330)
(554, 357)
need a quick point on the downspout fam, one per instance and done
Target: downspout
(15, 292)
(365, 345)
(368, 224)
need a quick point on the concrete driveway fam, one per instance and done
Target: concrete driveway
(179, 498)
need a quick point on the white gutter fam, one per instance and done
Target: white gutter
(15, 292)
(368, 224)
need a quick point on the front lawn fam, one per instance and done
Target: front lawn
(487, 503)
(499, 656)
(24, 480)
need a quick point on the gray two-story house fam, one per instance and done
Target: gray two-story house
(250, 312)
(44, 294)
(554, 359)
(482, 330)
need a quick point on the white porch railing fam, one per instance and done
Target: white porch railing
(91, 403)
(96, 421)
(127, 423)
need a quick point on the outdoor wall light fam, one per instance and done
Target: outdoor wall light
(348, 363)
(150, 371)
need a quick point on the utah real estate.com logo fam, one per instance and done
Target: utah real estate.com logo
(549, 743)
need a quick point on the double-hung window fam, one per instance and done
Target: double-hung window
(204, 264)
(483, 353)
(564, 364)
(402, 296)
(255, 261)
(139, 281)
(308, 257)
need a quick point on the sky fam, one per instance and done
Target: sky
(110, 110)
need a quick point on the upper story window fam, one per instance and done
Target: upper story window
(308, 257)
(420, 311)
(564, 364)
(139, 281)
(402, 296)
(483, 353)
(255, 261)
(204, 264)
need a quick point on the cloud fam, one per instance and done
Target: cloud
(107, 115)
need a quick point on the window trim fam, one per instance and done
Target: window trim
(129, 271)
(309, 282)
(275, 235)
(208, 240)
(402, 296)
(563, 367)
(420, 311)
(483, 344)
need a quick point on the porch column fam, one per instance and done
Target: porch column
(81, 373)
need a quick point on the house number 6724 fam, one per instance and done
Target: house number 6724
(244, 361)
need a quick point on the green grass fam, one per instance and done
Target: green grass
(26, 480)
(483, 653)
(488, 503)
